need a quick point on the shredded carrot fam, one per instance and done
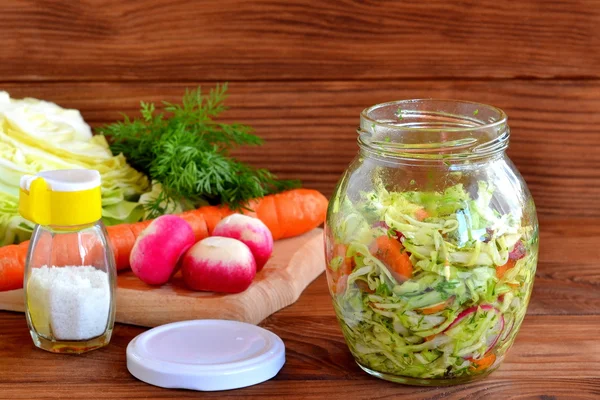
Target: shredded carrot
(483, 363)
(390, 251)
(501, 270)
(430, 337)
(339, 250)
(363, 286)
(437, 307)
(338, 278)
(331, 281)
(341, 284)
(433, 309)
(421, 214)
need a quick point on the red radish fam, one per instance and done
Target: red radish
(157, 249)
(507, 330)
(218, 264)
(467, 312)
(381, 224)
(399, 236)
(518, 251)
(492, 340)
(250, 231)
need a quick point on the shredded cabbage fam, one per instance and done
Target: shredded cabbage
(456, 308)
(37, 135)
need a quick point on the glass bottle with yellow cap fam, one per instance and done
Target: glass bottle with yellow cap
(70, 269)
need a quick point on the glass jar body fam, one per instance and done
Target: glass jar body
(430, 264)
(70, 279)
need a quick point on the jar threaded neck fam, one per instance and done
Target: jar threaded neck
(430, 129)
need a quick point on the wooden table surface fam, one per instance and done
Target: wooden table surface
(300, 72)
(556, 354)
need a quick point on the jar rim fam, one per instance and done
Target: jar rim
(433, 129)
(503, 118)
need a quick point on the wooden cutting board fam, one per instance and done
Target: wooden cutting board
(295, 263)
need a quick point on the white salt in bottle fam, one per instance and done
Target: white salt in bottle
(70, 269)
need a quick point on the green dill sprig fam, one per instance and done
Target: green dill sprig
(446, 287)
(187, 151)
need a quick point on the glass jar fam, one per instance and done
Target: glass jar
(431, 243)
(70, 272)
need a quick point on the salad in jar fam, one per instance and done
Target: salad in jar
(429, 285)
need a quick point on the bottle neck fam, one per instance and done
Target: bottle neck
(69, 228)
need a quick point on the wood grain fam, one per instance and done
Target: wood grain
(558, 340)
(310, 127)
(557, 356)
(297, 39)
(301, 71)
(295, 263)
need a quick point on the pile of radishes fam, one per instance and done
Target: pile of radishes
(226, 262)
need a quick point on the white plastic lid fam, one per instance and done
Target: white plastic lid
(65, 180)
(205, 355)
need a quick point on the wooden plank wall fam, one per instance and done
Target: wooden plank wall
(300, 72)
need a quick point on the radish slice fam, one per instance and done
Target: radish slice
(384, 225)
(499, 327)
(381, 224)
(469, 311)
(507, 330)
(518, 251)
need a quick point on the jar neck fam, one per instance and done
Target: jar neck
(433, 130)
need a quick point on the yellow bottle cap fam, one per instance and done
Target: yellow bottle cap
(63, 197)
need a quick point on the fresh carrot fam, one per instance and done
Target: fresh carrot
(391, 252)
(121, 241)
(298, 211)
(266, 211)
(198, 223)
(65, 249)
(286, 214)
(501, 270)
(211, 215)
(483, 363)
(12, 264)
(136, 229)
